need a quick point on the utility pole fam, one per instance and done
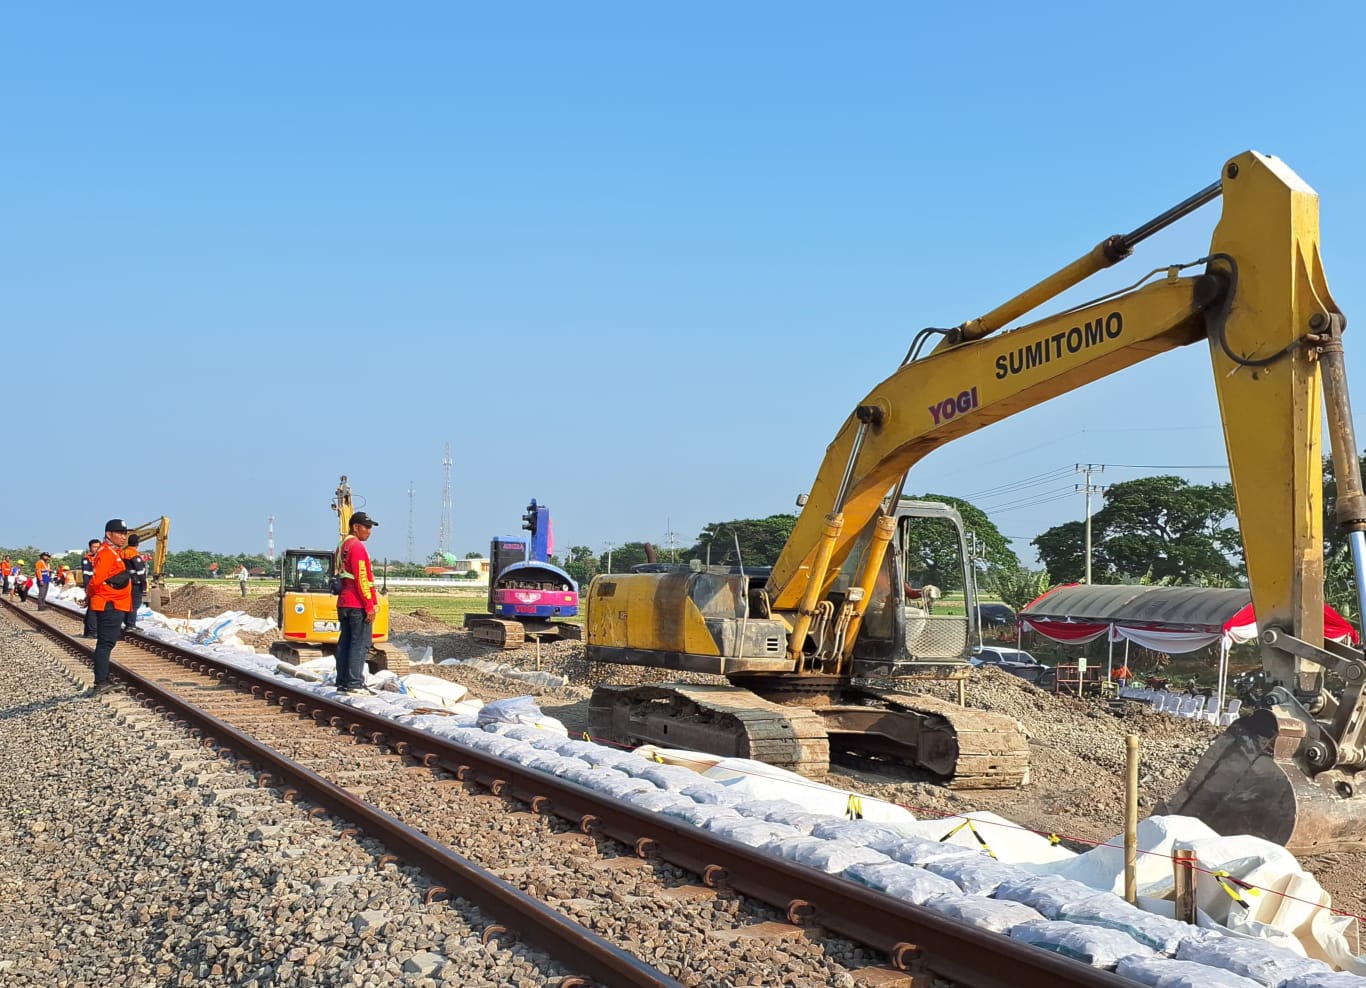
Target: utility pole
(270, 539)
(1087, 469)
(410, 523)
(671, 538)
(444, 543)
(610, 547)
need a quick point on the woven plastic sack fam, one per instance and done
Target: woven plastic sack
(674, 778)
(702, 814)
(754, 833)
(712, 792)
(861, 832)
(996, 915)
(620, 788)
(1333, 979)
(829, 856)
(656, 800)
(979, 875)
(1161, 933)
(1164, 972)
(1262, 962)
(901, 881)
(1093, 945)
(920, 851)
(1047, 894)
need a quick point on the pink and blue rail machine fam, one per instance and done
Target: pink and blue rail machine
(525, 584)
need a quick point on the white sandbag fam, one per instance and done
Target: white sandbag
(433, 690)
(769, 809)
(861, 832)
(919, 851)
(710, 792)
(535, 736)
(1164, 972)
(513, 710)
(1046, 894)
(655, 800)
(829, 856)
(588, 775)
(901, 881)
(670, 777)
(1333, 979)
(702, 814)
(996, 915)
(1162, 934)
(1093, 945)
(424, 658)
(600, 754)
(754, 833)
(1264, 963)
(975, 875)
(807, 822)
(619, 788)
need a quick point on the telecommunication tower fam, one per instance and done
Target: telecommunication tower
(445, 542)
(410, 522)
(270, 539)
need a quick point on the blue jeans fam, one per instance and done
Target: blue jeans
(353, 645)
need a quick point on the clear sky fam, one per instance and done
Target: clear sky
(635, 260)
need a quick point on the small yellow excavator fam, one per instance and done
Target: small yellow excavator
(308, 606)
(157, 597)
(811, 651)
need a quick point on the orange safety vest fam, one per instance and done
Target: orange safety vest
(5, 568)
(39, 568)
(108, 562)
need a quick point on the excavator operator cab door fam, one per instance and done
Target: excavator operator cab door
(915, 625)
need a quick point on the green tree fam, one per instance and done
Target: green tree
(760, 540)
(623, 558)
(581, 564)
(941, 554)
(1333, 539)
(1017, 587)
(1163, 527)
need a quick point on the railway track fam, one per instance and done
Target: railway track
(627, 887)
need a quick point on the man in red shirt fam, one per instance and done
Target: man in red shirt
(42, 572)
(356, 604)
(109, 595)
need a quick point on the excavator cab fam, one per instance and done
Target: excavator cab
(909, 631)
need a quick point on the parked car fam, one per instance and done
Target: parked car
(1016, 662)
(994, 615)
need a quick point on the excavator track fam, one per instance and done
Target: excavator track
(975, 749)
(496, 631)
(968, 749)
(722, 720)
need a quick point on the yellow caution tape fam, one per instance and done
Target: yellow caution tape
(972, 830)
(854, 811)
(1231, 885)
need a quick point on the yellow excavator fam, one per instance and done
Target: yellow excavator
(308, 606)
(818, 642)
(158, 530)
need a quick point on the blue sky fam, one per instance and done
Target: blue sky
(638, 261)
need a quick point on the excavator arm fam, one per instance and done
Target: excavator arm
(157, 530)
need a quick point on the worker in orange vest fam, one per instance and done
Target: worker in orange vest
(137, 568)
(87, 571)
(110, 595)
(42, 574)
(6, 569)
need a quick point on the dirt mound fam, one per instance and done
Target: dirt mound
(200, 599)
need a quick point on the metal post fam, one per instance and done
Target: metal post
(1087, 487)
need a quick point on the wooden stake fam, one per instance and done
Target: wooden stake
(1131, 820)
(1183, 871)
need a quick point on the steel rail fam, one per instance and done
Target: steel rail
(529, 919)
(909, 935)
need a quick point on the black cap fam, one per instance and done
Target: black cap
(44, 555)
(115, 525)
(361, 518)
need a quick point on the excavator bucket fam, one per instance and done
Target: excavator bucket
(1254, 780)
